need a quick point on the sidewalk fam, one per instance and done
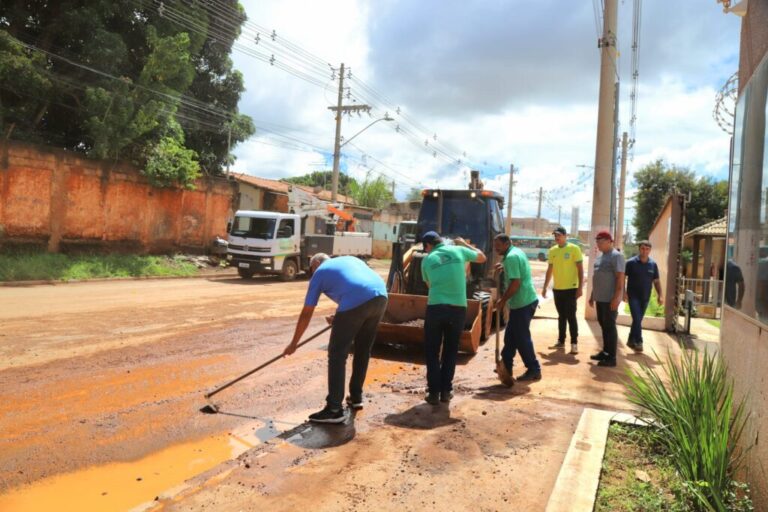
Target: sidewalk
(493, 448)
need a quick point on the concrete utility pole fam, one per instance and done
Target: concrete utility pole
(615, 159)
(508, 220)
(340, 110)
(601, 200)
(541, 194)
(622, 188)
(559, 213)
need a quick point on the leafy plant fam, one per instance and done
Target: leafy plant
(699, 422)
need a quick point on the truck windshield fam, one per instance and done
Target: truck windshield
(252, 227)
(462, 216)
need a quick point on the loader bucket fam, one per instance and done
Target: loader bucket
(403, 322)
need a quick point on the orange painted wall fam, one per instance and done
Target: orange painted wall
(64, 200)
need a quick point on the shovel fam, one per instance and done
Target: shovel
(501, 369)
(212, 408)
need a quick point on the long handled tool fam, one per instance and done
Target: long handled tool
(501, 369)
(212, 408)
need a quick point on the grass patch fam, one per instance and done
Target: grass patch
(25, 266)
(713, 322)
(654, 309)
(637, 474)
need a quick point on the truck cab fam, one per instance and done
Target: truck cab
(265, 243)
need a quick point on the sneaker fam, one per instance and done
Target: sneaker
(637, 347)
(574, 348)
(432, 398)
(530, 376)
(355, 403)
(600, 356)
(559, 345)
(607, 362)
(631, 344)
(445, 396)
(327, 415)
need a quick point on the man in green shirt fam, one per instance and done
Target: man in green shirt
(444, 271)
(520, 297)
(565, 262)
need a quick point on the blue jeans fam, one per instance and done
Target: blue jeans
(443, 326)
(517, 338)
(637, 306)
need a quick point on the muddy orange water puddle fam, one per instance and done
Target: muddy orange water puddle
(126, 485)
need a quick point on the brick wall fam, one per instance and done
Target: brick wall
(63, 201)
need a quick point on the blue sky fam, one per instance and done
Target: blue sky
(486, 83)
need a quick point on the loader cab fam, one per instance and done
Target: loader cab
(474, 215)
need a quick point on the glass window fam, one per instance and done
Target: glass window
(252, 227)
(746, 268)
(285, 229)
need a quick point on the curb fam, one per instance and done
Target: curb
(55, 282)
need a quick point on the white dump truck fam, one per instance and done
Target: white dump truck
(261, 242)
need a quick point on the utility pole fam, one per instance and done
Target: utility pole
(393, 189)
(559, 214)
(575, 222)
(508, 223)
(615, 159)
(340, 110)
(229, 143)
(601, 201)
(622, 185)
(541, 194)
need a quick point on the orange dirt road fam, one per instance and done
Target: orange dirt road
(101, 388)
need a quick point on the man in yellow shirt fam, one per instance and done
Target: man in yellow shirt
(565, 263)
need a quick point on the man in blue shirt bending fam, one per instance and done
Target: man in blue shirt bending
(642, 273)
(362, 299)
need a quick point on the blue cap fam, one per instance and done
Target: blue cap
(431, 237)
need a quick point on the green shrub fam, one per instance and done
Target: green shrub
(700, 423)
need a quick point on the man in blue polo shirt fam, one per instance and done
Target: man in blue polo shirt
(362, 299)
(642, 273)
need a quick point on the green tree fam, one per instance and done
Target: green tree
(375, 193)
(414, 194)
(322, 179)
(119, 80)
(657, 180)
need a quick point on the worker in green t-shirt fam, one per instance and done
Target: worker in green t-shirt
(565, 263)
(444, 271)
(521, 299)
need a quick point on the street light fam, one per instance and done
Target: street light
(337, 155)
(385, 118)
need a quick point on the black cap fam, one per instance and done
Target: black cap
(559, 230)
(431, 237)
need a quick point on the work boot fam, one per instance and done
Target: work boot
(433, 398)
(610, 362)
(600, 356)
(445, 396)
(530, 376)
(327, 415)
(355, 403)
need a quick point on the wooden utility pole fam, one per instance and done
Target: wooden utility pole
(340, 110)
(622, 188)
(508, 220)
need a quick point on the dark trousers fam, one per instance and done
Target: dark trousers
(356, 325)
(565, 302)
(442, 328)
(637, 308)
(607, 320)
(517, 338)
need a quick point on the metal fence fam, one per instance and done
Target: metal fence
(707, 295)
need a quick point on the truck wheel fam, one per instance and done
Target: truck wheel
(289, 270)
(245, 273)
(542, 257)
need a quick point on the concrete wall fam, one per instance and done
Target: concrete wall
(63, 201)
(666, 239)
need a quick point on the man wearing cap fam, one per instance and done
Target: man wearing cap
(444, 271)
(607, 292)
(642, 273)
(362, 299)
(520, 297)
(565, 263)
